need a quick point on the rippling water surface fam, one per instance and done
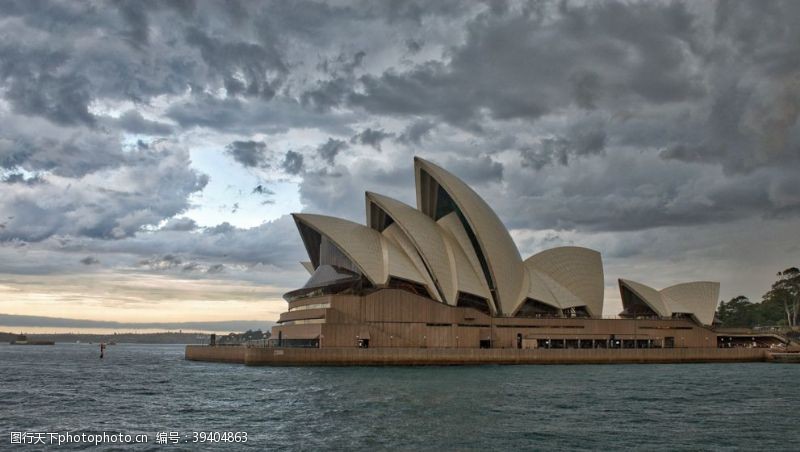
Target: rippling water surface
(151, 388)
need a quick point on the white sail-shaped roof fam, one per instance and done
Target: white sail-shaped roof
(395, 234)
(577, 270)
(376, 256)
(697, 298)
(502, 263)
(469, 277)
(539, 289)
(648, 295)
(426, 237)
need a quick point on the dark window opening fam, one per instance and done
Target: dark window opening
(485, 343)
(536, 309)
(379, 219)
(669, 342)
(293, 343)
(468, 300)
(311, 240)
(633, 306)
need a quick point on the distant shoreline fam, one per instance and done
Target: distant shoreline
(162, 338)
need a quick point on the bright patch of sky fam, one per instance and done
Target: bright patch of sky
(229, 195)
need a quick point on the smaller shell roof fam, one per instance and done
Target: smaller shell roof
(649, 295)
(697, 298)
(577, 270)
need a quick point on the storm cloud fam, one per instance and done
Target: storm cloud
(132, 133)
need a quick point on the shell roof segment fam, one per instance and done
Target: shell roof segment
(426, 236)
(577, 270)
(501, 262)
(698, 298)
(375, 255)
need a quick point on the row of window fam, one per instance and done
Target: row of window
(310, 306)
(303, 322)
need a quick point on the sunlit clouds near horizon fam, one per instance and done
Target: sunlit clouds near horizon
(151, 152)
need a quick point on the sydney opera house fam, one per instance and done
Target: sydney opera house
(447, 274)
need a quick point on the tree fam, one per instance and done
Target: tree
(785, 292)
(739, 311)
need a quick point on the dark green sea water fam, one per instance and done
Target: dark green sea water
(150, 389)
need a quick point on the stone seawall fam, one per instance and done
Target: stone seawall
(222, 354)
(463, 356)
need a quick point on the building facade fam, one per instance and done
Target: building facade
(447, 274)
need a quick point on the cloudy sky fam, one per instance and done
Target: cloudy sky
(150, 152)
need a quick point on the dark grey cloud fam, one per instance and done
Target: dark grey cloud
(590, 59)
(195, 267)
(476, 171)
(416, 131)
(246, 68)
(170, 250)
(262, 190)
(222, 228)
(34, 144)
(147, 187)
(180, 224)
(132, 121)
(371, 137)
(293, 162)
(248, 116)
(413, 45)
(332, 91)
(580, 140)
(62, 99)
(216, 268)
(612, 119)
(89, 260)
(624, 193)
(337, 190)
(330, 149)
(20, 178)
(165, 262)
(265, 192)
(250, 154)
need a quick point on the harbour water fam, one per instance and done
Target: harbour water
(147, 389)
